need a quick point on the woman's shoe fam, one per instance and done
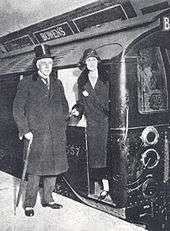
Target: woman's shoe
(103, 195)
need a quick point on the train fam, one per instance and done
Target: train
(132, 39)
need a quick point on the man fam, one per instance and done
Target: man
(40, 110)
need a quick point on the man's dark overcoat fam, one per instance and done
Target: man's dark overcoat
(43, 112)
(94, 104)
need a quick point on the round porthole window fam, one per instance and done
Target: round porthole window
(150, 158)
(150, 136)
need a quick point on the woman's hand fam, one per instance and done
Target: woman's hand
(74, 112)
(29, 136)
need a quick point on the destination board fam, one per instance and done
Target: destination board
(54, 32)
(18, 43)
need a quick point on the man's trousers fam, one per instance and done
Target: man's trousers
(33, 188)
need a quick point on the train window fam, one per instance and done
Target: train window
(109, 14)
(152, 85)
(155, 7)
(8, 86)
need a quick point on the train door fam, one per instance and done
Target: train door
(79, 175)
(147, 73)
(10, 146)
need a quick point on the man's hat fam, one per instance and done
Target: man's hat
(42, 51)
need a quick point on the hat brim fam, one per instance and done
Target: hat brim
(43, 57)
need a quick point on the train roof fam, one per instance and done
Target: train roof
(92, 20)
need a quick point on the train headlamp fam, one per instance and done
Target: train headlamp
(150, 136)
(150, 158)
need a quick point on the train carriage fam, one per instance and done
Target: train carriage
(132, 39)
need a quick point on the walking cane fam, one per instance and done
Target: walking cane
(23, 174)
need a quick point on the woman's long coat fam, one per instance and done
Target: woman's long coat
(94, 103)
(43, 112)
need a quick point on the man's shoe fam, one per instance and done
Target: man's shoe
(53, 206)
(29, 212)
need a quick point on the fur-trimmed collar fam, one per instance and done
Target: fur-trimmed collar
(83, 78)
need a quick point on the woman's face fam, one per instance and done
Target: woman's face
(91, 63)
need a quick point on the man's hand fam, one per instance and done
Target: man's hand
(29, 136)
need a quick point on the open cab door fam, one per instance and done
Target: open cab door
(78, 175)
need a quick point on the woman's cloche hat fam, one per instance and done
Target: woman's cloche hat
(88, 53)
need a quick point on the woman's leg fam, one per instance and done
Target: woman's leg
(105, 185)
(103, 176)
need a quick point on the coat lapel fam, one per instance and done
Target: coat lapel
(41, 86)
(52, 87)
(94, 94)
(92, 91)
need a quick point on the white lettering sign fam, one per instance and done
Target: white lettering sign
(51, 34)
(166, 23)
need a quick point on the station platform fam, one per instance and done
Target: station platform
(73, 216)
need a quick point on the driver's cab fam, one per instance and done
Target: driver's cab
(79, 175)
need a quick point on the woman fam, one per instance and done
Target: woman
(93, 102)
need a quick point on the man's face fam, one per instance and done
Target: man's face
(91, 63)
(45, 66)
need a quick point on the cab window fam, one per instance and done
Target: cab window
(152, 85)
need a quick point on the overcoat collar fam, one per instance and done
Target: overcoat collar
(41, 86)
(83, 79)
